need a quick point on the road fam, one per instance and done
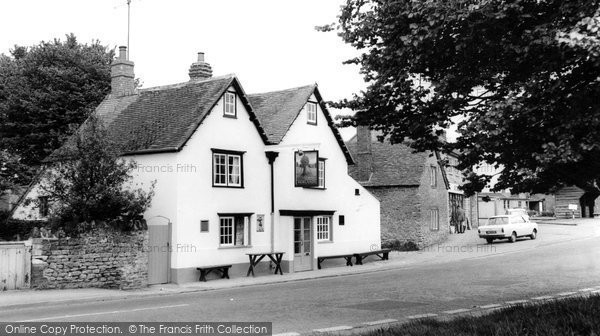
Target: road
(562, 259)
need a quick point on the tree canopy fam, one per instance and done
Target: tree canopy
(13, 173)
(91, 182)
(521, 76)
(46, 91)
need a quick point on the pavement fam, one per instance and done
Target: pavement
(456, 247)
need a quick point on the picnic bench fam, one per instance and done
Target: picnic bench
(348, 258)
(205, 270)
(383, 254)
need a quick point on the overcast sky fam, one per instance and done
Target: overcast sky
(268, 44)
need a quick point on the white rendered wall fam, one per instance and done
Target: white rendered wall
(361, 231)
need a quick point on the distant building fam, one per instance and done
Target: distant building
(497, 203)
(412, 189)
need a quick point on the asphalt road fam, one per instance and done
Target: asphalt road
(559, 263)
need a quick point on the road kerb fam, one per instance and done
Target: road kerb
(332, 329)
(374, 323)
(491, 306)
(543, 298)
(456, 311)
(421, 316)
(516, 302)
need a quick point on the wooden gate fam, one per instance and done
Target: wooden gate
(15, 265)
(159, 254)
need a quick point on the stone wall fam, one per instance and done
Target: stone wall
(405, 211)
(101, 258)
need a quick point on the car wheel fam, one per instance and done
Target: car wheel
(489, 240)
(533, 235)
(513, 237)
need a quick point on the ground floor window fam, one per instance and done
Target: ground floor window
(234, 230)
(323, 228)
(434, 219)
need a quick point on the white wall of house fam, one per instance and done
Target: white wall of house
(198, 200)
(361, 231)
(28, 210)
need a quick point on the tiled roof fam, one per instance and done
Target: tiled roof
(278, 110)
(162, 119)
(393, 165)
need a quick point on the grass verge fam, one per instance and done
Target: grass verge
(573, 316)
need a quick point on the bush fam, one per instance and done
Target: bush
(15, 229)
(547, 214)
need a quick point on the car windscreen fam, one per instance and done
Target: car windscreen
(498, 221)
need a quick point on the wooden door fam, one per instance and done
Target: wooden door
(303, 255)
(158, 254)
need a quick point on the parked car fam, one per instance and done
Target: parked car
(508, 227)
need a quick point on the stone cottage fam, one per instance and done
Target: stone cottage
(412, 189)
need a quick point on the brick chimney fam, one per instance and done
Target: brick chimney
(121, 74)
(364, 153)
(200, 69)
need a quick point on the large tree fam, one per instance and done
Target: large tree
(523, 76)
(46, 90)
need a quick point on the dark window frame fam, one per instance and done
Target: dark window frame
(227, 153)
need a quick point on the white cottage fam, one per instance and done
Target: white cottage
(236, 174)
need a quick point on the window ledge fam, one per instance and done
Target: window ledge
(324, 241)
(234, 247)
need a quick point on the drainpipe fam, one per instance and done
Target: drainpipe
(272, 156)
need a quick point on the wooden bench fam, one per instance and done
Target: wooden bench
(205, 270)
(383, 254)
(348, 258)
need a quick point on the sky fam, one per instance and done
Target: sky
(269, 44)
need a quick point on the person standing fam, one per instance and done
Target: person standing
(460, 219)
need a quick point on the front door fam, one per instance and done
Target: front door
(302, 244)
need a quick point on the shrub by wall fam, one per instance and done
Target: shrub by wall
(101, 258)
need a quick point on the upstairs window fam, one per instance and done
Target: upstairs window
(229, 106)
(43, 206)
(321, 173)
(311, 113)
(227, 169)
(433, 176)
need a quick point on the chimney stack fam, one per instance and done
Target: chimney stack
(364, 153)
(122, 76)
(200, 69)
